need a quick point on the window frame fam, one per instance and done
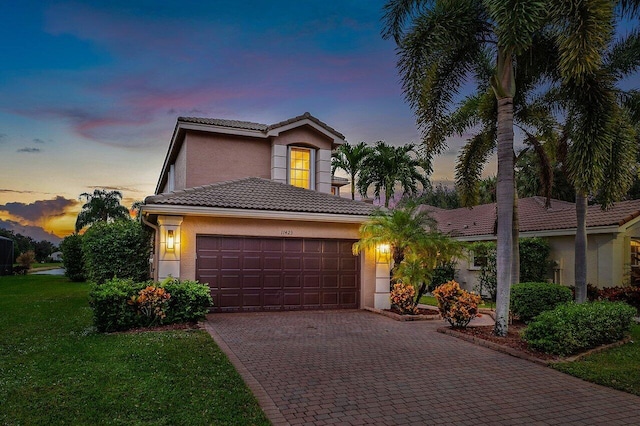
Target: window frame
(312, 165)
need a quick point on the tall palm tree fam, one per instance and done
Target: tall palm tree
(350, 158)
(387, 166)
(443, 48)
(103, 206)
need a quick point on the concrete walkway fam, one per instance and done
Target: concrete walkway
(356, 367)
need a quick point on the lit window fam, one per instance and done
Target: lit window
(301, 167)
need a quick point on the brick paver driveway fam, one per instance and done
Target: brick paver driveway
(356, 367)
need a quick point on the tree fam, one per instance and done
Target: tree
(387, 166)
(101, 206)
(350, 158)
(399, 228)
(446, 45)
(417, 248)
(440, 196)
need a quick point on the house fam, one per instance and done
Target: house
(248, 208)
(613, 237)
(56, 256)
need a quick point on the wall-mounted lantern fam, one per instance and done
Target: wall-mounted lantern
(383, 253)
(170, 240)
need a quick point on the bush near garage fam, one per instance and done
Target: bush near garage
(528, 300)
(571, 328)
(402, 297)
(122, 304)
(118, 249)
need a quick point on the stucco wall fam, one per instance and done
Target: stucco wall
(305, 136)
(193, 226)
(180, 169)
(219, 158)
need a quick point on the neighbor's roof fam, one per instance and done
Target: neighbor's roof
(261, 194)
(532, 216)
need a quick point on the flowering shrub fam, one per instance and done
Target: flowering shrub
(629, 295)
(152, 302)
(402, 297)
(456, 305)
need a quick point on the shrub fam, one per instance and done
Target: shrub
(534, 259)
(151, 304)
(456, 305)
(120, 249)
(485, 255)
(72, 259)
(121, 304)
(571, 328)
(26, 259)
(402, 297)
(629, 295)
(443, 273)
(111, 308)
(190, 300)
(530, 299)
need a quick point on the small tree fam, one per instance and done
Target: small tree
(120, 249)
(485, 255)
(72, 258)
(25, 260)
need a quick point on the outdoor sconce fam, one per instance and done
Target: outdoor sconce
(383, 253)
(170, 240)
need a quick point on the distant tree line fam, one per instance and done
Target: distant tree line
(22, 244)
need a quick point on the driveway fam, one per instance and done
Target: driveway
(356, 367)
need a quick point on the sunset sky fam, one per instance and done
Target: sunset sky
(90, 91)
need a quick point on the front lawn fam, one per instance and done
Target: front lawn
(616, 368)
(55, 369)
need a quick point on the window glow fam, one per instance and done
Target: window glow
(300, 168)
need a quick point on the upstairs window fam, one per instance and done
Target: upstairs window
(301, 170)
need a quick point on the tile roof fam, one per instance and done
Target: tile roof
(265, 128)
(532, 215)
(261, 194)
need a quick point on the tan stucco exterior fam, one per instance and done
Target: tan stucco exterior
(191, 226)
(608, 257)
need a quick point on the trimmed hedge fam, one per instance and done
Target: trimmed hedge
(114, 307)
(629, 295)
(119, 249)
(571, 328)
(528, 300)
(72, 259)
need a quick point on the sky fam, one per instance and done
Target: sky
(90, 91)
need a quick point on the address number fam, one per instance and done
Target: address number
(286, 232)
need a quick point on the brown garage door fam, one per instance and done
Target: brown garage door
(259, 274)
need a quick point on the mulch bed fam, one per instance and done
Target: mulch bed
(512, 340)
(421, 311)
(167, 327)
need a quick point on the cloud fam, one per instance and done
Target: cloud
(3, 137)
(38, 140)
(35, 232)
(41, 210)
(29, 150)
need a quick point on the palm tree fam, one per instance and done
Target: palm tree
(349, 158)
(400, 228)
(387, 166)
(444, 47)
(417, 248)
(103, 206)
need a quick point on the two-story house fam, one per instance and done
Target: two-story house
(248, 208)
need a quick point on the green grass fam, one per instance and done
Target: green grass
(616, 368)
(55, 369)
(431, 301)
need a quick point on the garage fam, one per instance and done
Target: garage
(263, 274)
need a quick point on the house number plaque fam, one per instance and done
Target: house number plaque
(286, 232)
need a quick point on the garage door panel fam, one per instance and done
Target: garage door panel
(252, 274)
(251, 262)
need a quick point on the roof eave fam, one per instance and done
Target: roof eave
(164, 209)
(335, 138)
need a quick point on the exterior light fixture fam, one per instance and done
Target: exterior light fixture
(170, 240)
(383, 253)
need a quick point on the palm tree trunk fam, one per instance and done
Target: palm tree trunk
(581, 248)
(515, 232)
(505, 196)
(353, 186)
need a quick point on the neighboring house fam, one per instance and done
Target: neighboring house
(613, 237)
(56, 256)
(248, 208)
